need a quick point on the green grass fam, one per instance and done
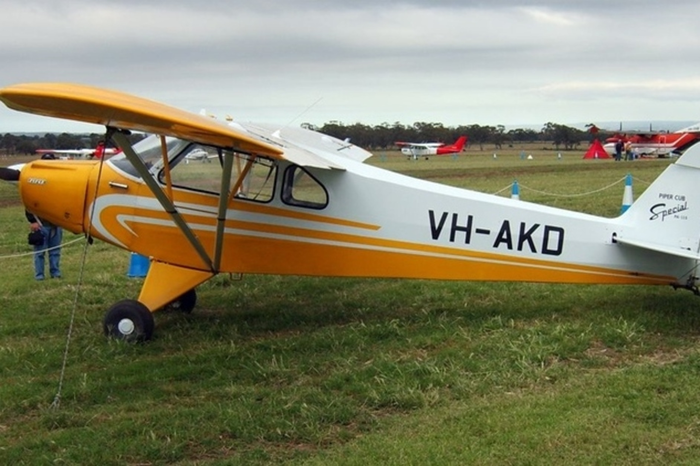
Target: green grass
(303, 370)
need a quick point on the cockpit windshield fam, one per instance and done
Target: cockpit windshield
(149, 152)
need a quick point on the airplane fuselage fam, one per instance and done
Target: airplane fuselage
(419, 151)
(658, 144)
(375, 224)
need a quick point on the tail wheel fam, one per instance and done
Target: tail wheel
(185, 303)
(129, 320)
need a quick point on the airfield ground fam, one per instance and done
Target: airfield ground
(300, 370)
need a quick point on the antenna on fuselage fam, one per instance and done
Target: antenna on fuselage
(302, 113)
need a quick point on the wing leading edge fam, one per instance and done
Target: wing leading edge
(117, 109)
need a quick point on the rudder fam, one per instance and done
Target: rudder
(668, 211)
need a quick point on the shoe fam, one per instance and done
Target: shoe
(39, 278)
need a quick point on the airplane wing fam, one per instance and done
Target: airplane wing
(690, 129)
(419, 145)
(305, 145)
(112, 108)
(117, 109)
(66, 151)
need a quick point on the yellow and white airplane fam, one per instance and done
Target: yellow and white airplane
(292, 201)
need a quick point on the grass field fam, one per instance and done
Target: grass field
(299, 370)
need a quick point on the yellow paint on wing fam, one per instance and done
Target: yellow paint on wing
(113, 108)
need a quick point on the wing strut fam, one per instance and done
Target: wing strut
(226, 197)
(223, 204)
(162, 198)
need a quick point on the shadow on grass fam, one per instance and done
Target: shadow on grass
(283, 305)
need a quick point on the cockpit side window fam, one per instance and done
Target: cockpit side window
(259, 182)
(301, 189)
(197, 168)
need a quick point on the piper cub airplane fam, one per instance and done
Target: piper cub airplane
(291, 201)
(420, 149)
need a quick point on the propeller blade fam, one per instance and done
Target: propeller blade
(9, 174)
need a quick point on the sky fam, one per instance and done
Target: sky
(496, 62)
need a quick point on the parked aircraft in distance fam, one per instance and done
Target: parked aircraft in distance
(420, 149)
(98, 152)
(657, 144)
(199, 154)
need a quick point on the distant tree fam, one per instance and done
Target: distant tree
(562, 135)
(523, 135)
(25, 146)
(431, 132)
(69, 141)
(478, 135)
(498, 135)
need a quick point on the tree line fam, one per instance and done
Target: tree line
(25, 144)
(385, 136)
(372, 137)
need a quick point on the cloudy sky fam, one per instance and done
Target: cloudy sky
(492, 62)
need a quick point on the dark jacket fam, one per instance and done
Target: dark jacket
(31, 218)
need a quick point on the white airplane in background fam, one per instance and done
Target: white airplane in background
(420, 149)
(199, 154)
(68, 154)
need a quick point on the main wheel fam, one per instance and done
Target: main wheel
(186, 302)
(129, 320)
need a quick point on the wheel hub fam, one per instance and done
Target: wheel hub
(126, 326)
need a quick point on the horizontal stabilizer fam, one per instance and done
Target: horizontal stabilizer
(662, 248)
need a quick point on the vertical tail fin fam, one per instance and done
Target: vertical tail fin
(668, 211)
(459, 145)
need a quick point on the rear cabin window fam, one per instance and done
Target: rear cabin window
(259, 183)
(301, 189)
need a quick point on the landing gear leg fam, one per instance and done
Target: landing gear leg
(129, 320)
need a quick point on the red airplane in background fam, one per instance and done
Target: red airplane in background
(660, 144)
(98, 152)
(419, 149)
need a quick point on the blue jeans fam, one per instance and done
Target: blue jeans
(52, 241)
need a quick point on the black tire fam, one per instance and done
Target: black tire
(129, 320)
(185, 303)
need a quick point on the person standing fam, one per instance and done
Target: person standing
(618, 150)
(51, 246)
(628, 151)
